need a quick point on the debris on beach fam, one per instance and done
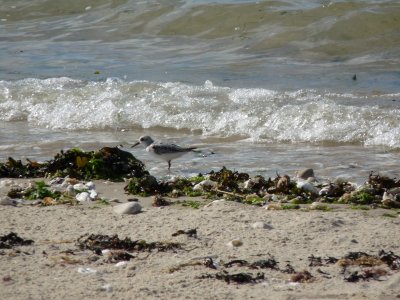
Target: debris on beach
(56, 191)
(11, 240)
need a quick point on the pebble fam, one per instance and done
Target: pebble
(205, 185)
(235, 243)
(90, 185)
(93, 195)
(82, 197)
(80, 187)
(308, 187)
(107, 288)
(305, 174)
(129, 208)
(121, 264)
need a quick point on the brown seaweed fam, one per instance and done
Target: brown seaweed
(189, 232)
(98, 241)
(239, 278)
(11, 240)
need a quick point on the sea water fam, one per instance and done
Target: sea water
(263, 87)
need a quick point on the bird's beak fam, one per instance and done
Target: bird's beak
(135, 144)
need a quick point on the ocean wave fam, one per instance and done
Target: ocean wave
(253, 113)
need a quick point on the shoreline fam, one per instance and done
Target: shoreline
(55, 267)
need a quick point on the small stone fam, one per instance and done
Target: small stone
(308, 187)
(121, 264)
(305, 174)
(90, 185)
(129, 208)
(107, 288)
(205, 185)
(80, 187)
(235, 243)
(82, 197)
(93, 195)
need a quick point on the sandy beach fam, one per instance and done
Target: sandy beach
(55, 267)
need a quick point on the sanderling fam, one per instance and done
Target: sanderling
(166, 152)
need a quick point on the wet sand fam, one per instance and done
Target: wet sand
(49, 268)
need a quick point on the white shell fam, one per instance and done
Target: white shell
(129, 208)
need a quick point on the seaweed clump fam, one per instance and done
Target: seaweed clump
(107, 163)
(12, 239)
(96, 242)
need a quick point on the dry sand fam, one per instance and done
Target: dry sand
(48, 269)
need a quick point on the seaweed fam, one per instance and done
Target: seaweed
(382, 183)
(116, 256)
(107, 163)
(40, 191)
(303, 276)
(389, 258)
(316, 261)
(239, 278)
(10, 240)
(228, 180)
(270, 263)
(366, 274)
(160, 201)
(189, 232)
(97, 241)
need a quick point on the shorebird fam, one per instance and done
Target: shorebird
(166, 152)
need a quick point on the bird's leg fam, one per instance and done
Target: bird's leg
(169, 165)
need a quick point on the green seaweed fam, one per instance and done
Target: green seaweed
(40, 191)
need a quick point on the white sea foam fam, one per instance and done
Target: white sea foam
(257, 114)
